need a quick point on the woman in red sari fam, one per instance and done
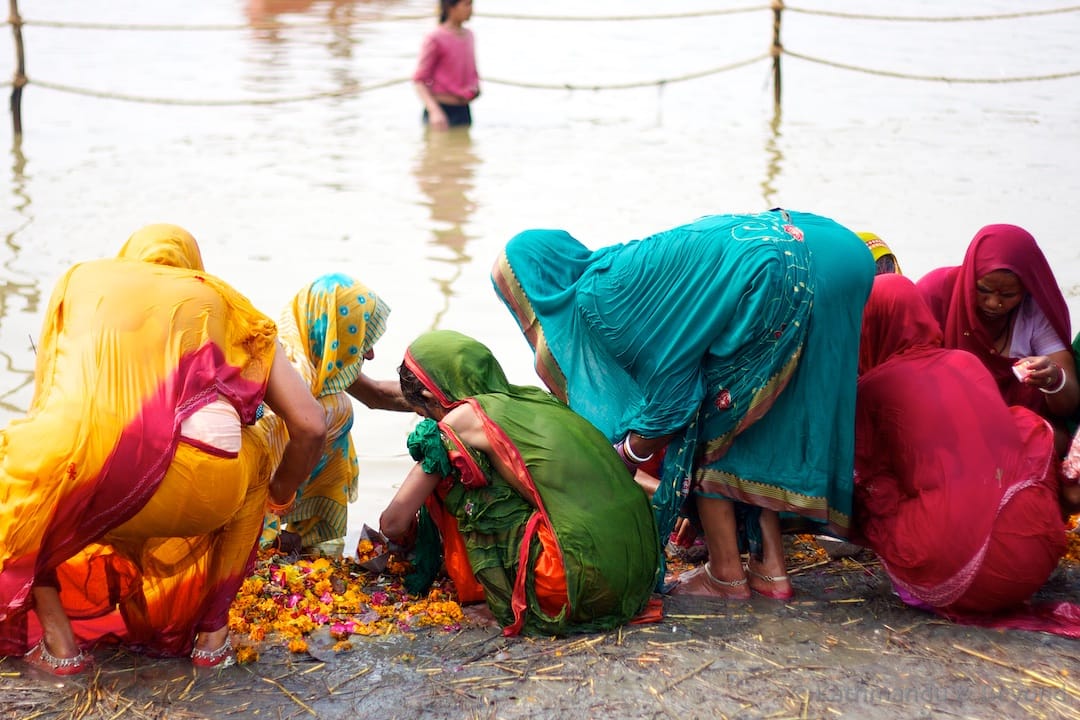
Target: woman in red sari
(955, 491)
(1004, 305)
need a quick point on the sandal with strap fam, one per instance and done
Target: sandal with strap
(222, 657)
(699, 580)
(40, 658)
(778, 594)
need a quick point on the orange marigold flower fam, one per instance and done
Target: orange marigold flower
(246, 654)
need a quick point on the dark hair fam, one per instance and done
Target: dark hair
(444, 9)
(411, 387)
(886, 264)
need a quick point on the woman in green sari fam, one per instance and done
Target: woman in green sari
(537, 513)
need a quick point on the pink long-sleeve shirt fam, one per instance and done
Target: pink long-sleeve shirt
(448, 63)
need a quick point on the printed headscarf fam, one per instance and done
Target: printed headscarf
(336, 321)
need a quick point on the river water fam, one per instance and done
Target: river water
(344, 178)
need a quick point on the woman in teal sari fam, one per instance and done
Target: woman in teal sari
(733, 341)
(537, 514)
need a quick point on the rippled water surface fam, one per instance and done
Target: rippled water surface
(343, 176)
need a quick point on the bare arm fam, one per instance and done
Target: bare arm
(379, 394)
(436, 116)
(290, 398)
(398, 520)
(1046, 371)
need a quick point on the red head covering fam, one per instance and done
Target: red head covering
(895, 323)
(940, 463)
(952, 296)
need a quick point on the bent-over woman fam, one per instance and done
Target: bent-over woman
(734, 338)
(134, 489)
(536, 513)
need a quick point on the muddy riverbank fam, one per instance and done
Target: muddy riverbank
(843, 647)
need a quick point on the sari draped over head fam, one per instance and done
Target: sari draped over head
(163, 244)
(955, 491)
(952, 296)
(566, 544)
(147, 535)
(326, 330)
(703, 331)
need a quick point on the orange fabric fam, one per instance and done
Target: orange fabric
(549, 575)
(652, 613)
(455, 558)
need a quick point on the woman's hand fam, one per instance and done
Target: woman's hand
(1042, 372)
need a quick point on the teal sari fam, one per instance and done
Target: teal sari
(568, 542)
(733, 325)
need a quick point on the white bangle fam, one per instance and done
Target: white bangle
(1060, 385)
(630, 453)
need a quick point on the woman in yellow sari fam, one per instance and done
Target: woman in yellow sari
(328, 330)
(134, 488)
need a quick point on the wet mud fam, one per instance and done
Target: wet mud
(844, 646)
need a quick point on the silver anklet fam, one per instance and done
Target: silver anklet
(213, 657)
(57, 662)
(724, 583)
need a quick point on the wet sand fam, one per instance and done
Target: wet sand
(843, 647)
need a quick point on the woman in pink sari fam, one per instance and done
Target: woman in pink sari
(955, 491)
(1004, 305)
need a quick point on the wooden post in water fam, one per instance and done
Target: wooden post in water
(777, 49)
(19, 81)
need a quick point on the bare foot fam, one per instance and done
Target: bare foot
(700, 581)
(479, 614)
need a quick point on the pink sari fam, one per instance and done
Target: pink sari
(955, 491)
(951, 295)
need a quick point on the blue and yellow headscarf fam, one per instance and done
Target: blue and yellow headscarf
(337, 320)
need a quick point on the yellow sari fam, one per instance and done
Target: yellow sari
(147, 534)
(326, 330)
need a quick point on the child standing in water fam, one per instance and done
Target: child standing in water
(446, 79)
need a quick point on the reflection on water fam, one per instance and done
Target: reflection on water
(16, 296)
(444, 173)
(774, 159)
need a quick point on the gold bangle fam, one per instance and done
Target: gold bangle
(281, 509)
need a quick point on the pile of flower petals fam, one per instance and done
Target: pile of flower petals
(287, 601)
(1072, 550)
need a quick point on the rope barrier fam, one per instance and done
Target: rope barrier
(934, 78)
(930, 18)
(276, 25)
(609, 18)
(273, 25)
(357, 89)
(219, 103)
(629, 85)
